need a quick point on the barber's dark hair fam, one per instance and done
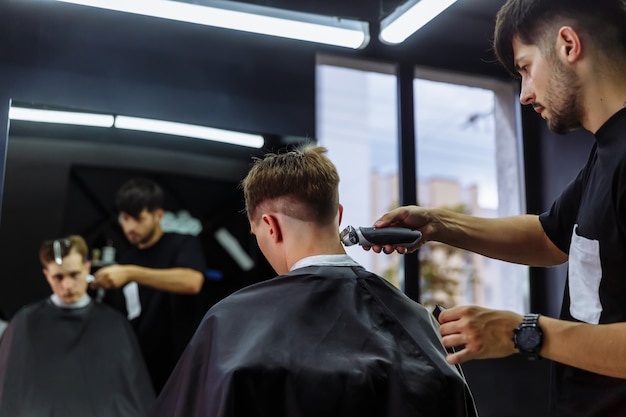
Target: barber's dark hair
(62, 247)
(536, 22)
(138, 194)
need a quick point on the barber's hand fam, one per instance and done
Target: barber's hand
(111, 277)
(483, 333)
(412, 217)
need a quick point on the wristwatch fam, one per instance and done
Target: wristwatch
(528, 336)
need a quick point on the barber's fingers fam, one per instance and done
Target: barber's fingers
(388, 249)
(413, 217)
(462, 347)
(98, 283)
(396, 217)
(102, 280)
(454, 314)
(482, 332)
(460, 356)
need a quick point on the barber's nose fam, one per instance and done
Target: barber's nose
(527, 94)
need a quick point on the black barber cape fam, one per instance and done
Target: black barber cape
(84, 362)
(320, 341)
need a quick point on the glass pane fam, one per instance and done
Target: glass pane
(457, 153)
(357, 122)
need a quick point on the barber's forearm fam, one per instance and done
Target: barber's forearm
(518, 239)
(176, 280)
(595, 348)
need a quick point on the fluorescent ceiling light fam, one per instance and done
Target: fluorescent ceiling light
(234, 249)
(61, 117)
(248, 18)
(192, 131)
(409, 18)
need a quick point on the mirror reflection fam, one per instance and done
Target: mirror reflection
(65, 179)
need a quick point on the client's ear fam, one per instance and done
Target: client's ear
(340, 213)
(273, 227)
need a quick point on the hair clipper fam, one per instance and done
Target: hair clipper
(370, 236)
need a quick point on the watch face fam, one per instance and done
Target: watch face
(528, 338)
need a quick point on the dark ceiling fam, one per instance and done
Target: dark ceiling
(369, 10)
(374, 10)
(458, 39)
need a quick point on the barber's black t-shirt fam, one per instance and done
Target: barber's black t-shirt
(167, 321)
(588, 221)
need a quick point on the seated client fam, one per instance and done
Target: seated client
(67, 355)
(323, 338)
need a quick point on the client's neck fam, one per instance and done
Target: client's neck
(312, 240)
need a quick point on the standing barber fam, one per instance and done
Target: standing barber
(571, 57)
(160, 276)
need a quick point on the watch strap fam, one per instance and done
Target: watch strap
(530, 320)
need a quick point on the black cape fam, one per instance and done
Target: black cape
(82, 362)
(319, 341)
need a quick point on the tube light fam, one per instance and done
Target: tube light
(192, 131)
(234, 249)
(61, 117)
(409, 18)
(248, 18)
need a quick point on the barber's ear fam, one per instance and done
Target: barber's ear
(569, 45)
(273, 227)
(159, 213)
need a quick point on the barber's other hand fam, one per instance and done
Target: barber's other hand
(412, 217)
(484, 333)
(111, 277)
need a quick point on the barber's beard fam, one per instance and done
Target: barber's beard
(147, 238)
(563, 99)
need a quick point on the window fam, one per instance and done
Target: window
(468, 159)
(357, 122)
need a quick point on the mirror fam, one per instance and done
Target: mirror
(61, 179)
